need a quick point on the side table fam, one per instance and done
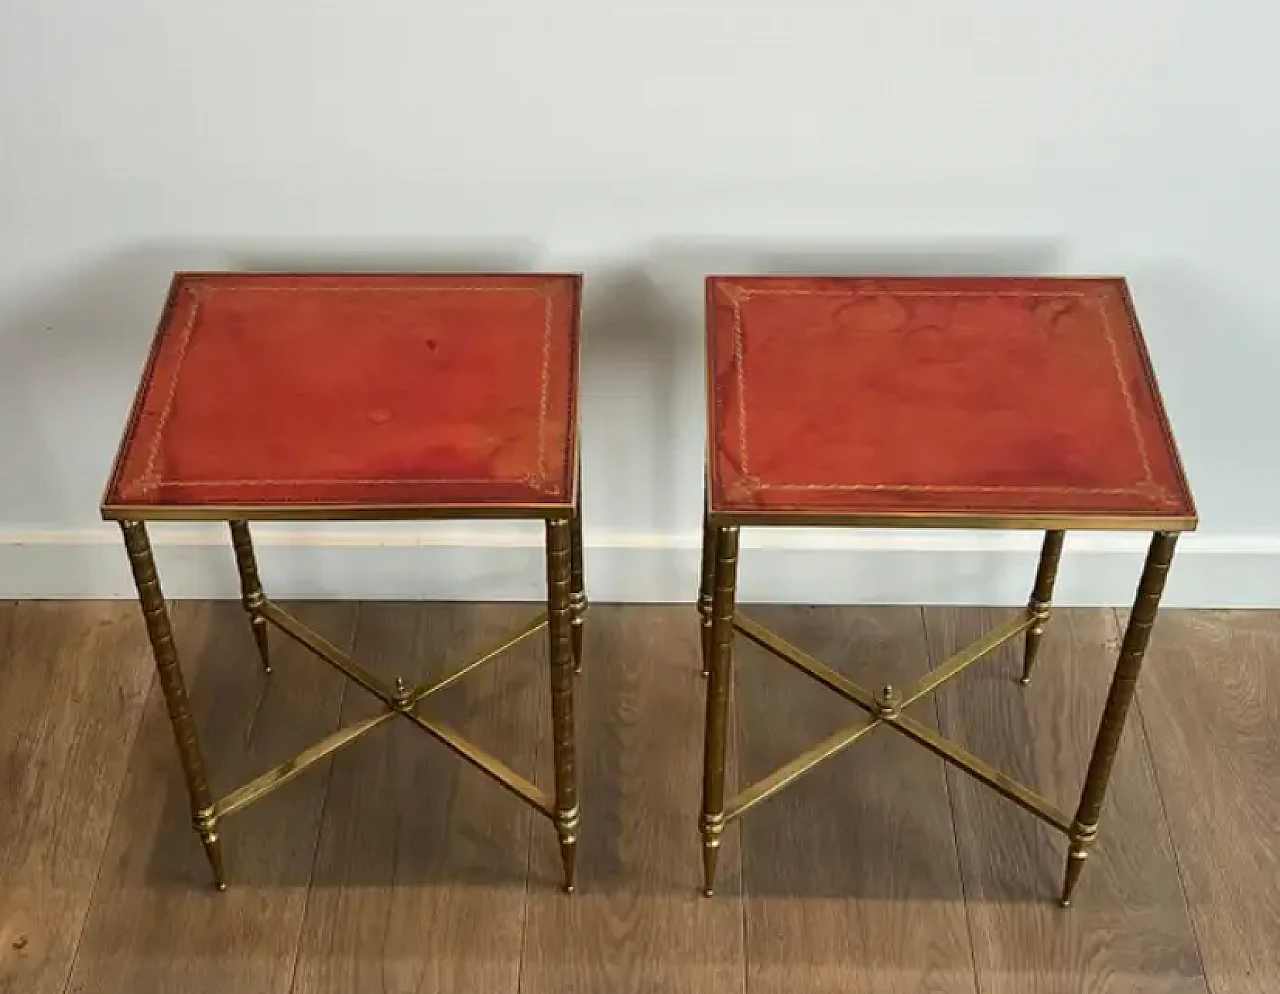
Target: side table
(930, 403)
(371, 397)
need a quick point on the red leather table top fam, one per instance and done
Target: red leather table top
(355, 396)
(951, 402)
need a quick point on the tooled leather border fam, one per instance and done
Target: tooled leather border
(148, 480)
(747, 485)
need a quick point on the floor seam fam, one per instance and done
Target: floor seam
(1168, 828)
(390, 759)
(955, 827)
(111, 827)
(320, 820)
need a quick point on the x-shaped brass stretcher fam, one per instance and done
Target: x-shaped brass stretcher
(885, 708)
(563, 618)
(720, 620)
(400, 700)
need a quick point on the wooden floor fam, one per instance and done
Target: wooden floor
(395, 868)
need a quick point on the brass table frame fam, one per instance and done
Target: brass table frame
(720, 620)
(564, 620)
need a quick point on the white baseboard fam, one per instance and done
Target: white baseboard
(445, 562)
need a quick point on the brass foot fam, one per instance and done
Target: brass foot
(251, 594)
(569, 859)
(1082, 839)
(1041, 596)
(712, 830)
(1035, 635)
(567, 830)
(206, 825)
(710, 854)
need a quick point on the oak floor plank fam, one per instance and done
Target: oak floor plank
(1128, 928)
(7, 610)
(156, 924)
(851, 876)
(421, 872)
(1211, 706)
(73, 678)
(410, 874)
(637, 922)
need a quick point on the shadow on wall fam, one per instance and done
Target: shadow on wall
(635, 377)
(70, 351)
(944, 257)
(1216, 354)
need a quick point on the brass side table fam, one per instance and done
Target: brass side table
(370, 397)
(930, 403)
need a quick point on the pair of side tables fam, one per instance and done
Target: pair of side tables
(832, 401)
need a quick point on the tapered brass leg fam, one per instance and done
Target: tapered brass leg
(559, 627)
(1041, 598)
(251, 588)
(159, 631)
(705, 591)
(1084, 828)
(577, 588)
(724, 586)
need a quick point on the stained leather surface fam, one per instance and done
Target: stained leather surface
(949, 396)
(357, 390)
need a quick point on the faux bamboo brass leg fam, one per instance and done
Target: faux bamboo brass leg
(705, 592)
(1040, 605)
(578, 588)
(251, 588)
(559, 626)
(156, 615)
(719, 678)
(1084, 829)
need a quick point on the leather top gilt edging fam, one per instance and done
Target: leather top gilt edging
(954, 398)
(356, 391)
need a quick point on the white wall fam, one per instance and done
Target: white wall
(646, 145)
